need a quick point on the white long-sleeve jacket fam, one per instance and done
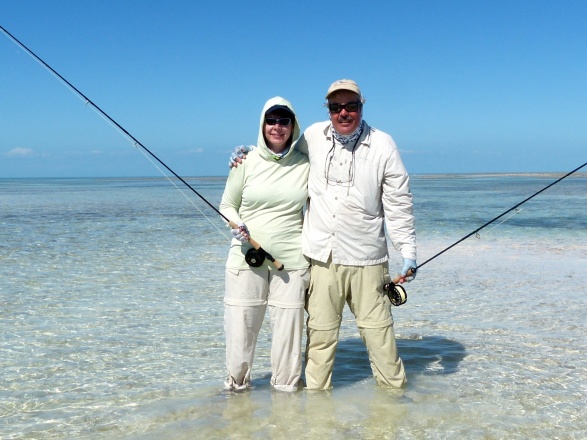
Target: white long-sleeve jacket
(354, 197)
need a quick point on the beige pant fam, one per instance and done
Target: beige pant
(247, 294)
(361, 287)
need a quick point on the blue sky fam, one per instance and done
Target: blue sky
(463, 86)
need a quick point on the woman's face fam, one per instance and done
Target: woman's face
(277, 131)
(343, 121)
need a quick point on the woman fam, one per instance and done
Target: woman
(265, 197)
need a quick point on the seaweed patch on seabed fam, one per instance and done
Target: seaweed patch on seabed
(427, 355)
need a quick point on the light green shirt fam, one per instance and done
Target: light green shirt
(268, 195)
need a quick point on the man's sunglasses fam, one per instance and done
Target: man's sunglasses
(349, 107)
(284, 122)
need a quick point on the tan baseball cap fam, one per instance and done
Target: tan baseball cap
(344, 84)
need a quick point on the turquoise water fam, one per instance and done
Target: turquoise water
(111, 315)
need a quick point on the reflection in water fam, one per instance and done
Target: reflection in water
(111, 297)
(356, 407)
(428, 355)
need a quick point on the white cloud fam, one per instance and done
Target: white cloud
(20, 152)
(193, 151)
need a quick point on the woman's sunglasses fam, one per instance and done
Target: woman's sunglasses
(284, 122)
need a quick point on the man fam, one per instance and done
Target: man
(358, 188)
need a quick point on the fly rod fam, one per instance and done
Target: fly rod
(500, 216)
(136, 142)
(397, 294)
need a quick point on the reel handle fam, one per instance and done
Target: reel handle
(401, 278)
(278, 265)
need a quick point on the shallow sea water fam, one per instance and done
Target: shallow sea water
(111, 316)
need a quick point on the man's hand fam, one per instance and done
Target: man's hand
(239, 154)
(411, 266)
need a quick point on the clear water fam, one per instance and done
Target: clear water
(111, 319)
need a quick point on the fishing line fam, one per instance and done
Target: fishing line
(500, 216)
(232, 224)
(517, 211)
(183, 193)
(136, 142)
(397, 294)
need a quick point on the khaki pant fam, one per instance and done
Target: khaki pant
(247, 295)
(361, 287)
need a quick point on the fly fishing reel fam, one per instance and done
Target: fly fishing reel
(396, 293)
(255, 257)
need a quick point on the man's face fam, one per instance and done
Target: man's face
(344, 121)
